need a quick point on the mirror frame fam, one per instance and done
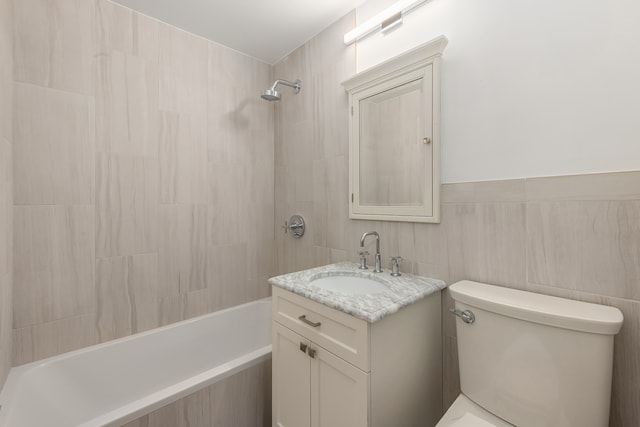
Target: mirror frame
(402, 69)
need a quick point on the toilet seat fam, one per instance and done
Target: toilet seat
(465, 413)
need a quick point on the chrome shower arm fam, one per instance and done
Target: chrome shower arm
(272, 94)
(295, 85)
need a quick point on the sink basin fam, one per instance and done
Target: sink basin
(349, 285)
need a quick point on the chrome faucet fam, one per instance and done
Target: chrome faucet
(378, 268)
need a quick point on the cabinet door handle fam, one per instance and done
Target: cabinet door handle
(312, 353)
(303, 347)
(303, 317)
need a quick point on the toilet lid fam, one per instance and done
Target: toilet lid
(465, 413)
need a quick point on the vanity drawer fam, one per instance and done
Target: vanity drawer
(343, 335)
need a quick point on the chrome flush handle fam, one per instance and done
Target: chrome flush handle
(467, 316)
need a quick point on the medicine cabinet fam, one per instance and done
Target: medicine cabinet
(394, 137)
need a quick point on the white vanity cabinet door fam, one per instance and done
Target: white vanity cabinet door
(291, 379)
(339, 392)
(315, 388)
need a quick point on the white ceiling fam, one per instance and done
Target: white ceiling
(265, 29)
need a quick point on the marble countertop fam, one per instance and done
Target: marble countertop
(402, 291)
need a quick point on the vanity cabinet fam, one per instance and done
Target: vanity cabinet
(331, 369)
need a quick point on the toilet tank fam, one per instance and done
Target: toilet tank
(536, 360)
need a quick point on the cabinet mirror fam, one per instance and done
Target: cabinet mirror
(394, 138)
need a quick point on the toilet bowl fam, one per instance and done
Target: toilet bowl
(531, 360)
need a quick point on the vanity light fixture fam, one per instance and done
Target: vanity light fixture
(385, 20)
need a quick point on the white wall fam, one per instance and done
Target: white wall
(530, 88)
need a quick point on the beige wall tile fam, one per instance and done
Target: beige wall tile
(126, 105)
(183, 159)
(183, 249)
(118, 28)
(49, 339)
(53, 263)
(330, 113)
(431, 251)
(6, 71)
(604, 186)
(6, 329)
(171, 309)
(330, 194)
(486, 242)
(127, 205)
(230, 187)
(510, 190)
(260, 240)
(140, 422)
(227, 274)
(241, 400)
(197, 408)
(227, 123)
(197, 303)
(127, 295)
(168, 251)
(54, 44)
(229, 66)
(295, 108)
(182, 72)
(171, 415)
(227, 409)
(328, 49)
(54, 147)
(6, 207)
(240, 123)
(591, 246)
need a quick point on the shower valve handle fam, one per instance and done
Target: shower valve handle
(296, 225)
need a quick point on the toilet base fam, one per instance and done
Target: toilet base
(465, 413)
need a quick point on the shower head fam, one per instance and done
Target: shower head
(272, 94)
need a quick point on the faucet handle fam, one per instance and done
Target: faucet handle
(395, 265)
(363, 259)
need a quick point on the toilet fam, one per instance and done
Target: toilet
(531, 360)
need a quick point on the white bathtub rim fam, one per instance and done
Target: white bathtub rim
(12, 383)
(157, 400)
(66, 355)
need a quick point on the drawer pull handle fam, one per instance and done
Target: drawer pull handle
(312, 353)
(303, 347)
(303, 317)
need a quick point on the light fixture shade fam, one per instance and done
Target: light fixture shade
(401, 7)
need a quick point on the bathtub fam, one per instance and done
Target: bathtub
(116, 382)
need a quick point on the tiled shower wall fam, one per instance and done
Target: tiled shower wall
(577, 237)
(6, 187)
(143, 176)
